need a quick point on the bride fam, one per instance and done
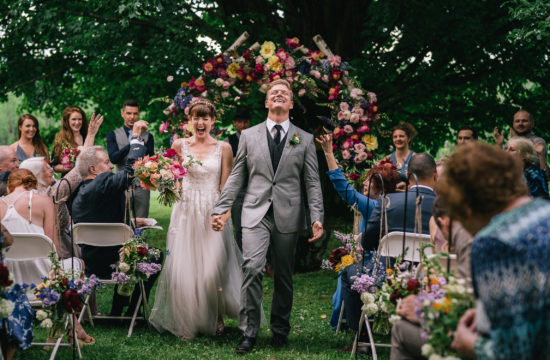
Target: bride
(201, 278)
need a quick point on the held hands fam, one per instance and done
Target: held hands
(219, 221)
(465, 334)
(318, 231)
(139, 126)
(326, 143)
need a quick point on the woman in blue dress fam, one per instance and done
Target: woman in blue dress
(402, 135)
(533, 175)
(29, 143)
(365, 204)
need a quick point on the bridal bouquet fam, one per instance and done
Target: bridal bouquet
(163, 172)
(343, 256)
(68, 157)
(61, 292)
(136, 263)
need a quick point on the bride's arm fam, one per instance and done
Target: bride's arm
(178, 146)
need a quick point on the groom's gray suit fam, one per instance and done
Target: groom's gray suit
(273, 210)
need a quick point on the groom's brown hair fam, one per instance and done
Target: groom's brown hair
(280, 82)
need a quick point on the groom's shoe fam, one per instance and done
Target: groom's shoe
(245, 345)
(279, 341)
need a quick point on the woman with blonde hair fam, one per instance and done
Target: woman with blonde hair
(534, 176)
(29, 143)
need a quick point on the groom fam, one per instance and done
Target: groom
(276, 158)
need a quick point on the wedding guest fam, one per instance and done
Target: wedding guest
(465, 135)
(8, 162)
(241, 121)
(402, 135)
(74, 128)
(483, 188)
(101, 198)
(30, 143)
(118, 147)
(522, 126)
(535, 178)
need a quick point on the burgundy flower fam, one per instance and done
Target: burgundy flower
(354, 176)
(65, 282)
(395, 296)
(336, 255)
(142, 251)
(412, 285)
(72, 300)
(170, 153)
(5, 276)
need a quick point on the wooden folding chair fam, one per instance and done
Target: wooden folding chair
(103, 235)
(35, 249)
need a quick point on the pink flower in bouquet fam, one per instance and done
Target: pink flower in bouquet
(336, 74)
(259, 60)
(282, 55)
(346, 114)
(222, 73)
(372, 97)
(358, 110)
(325, 79)
(340, 115)
(334, 60)
(302, 92)
(356, 93)
(354, 176)
(163, 127)
(365, 118)
(275, 76)
(226, 84)
(354, 118)
(344, 106)
(346, 155)
(360, 157)
(145, 186)
(359, 147)
(290, 63)
(316, 74)
(292, 43)
(333, 92)
(225, 94)
(154, 178)
(177, 170)
(363, 129)
(348, 129)
(259, 68)
(289, 74)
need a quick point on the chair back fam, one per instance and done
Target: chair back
(102, 234)
(391, 245)
(30, 247)
(443, 261)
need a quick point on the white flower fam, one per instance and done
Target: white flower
(41, 315)
(219, 82)
(386, 307)
(48, 323)
(124, 267)
(450, 357)
(6, 308)
(435, 357)
(370, 309)
(394, 318)
(427, 350)
(367, 298)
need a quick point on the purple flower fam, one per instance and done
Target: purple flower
(148, 268)
(120, 277)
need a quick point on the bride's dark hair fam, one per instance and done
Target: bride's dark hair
(21, 177)
(202, 107)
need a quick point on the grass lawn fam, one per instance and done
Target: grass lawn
(311, 336)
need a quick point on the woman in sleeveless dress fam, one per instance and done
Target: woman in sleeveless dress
(23, 211)
(201, 278)
(402, 135)
(29, 143)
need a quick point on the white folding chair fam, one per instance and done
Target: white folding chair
(28, 260)
(103, 235)
(391, 245)
(443, 260)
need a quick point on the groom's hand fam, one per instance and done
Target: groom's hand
(317, 229)
(218, 222)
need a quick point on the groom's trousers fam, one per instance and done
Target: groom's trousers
(256, 241)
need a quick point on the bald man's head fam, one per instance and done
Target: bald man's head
(8, 159)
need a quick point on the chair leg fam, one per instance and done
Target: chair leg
(340, 317)
(371, 338)
(75, 336)
(145, 303)
(133, 322)
(356, 340)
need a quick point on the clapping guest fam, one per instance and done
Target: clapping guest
(483, 187)
(30, 143)
(534, 176)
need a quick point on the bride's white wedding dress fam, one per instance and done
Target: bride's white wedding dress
(201, 278)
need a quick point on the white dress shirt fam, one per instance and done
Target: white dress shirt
(271, 127)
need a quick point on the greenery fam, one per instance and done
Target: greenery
(310, 337)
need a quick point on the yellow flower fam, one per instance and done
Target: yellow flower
(371, 142)
(232, 70)
(274, 63)
(268, 49)
(346, 260)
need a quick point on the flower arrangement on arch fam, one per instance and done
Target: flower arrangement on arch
(62, 292)
(228, 79)
(343, 256)
(136, 262)
(163, 172)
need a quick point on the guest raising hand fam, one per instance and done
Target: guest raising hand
(29, 143)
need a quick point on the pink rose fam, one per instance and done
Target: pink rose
(163, 127)
(359, 147)
(177, 170)
(344, 106)
(340, 115)
(372, 97)
(347, 114)
(354, 118)
(302, 92)
(334, 60)
(346, 155)
(363, 129)
(325, 78)
(356, 93)
(348, 129)
(259, 60)
(290, 63)
(226, 85)
(358, 159)
(290, 79)
(357, 110)
(345, 145)
(289, 73)
(316, 74)
(364, 118)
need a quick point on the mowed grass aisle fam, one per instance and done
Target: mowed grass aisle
(311, 336)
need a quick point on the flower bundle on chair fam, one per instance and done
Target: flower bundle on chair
(62, 292)
(343, 256)
(9, 292)
(136, 263)
(163, 172)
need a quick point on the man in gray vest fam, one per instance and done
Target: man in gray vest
(118, 146)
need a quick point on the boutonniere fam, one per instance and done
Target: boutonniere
(295, 139)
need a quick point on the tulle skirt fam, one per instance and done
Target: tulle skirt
(201, 277)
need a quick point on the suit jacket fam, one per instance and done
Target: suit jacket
(395, 213)
(282, 189)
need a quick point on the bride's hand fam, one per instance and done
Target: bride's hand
(218, 222)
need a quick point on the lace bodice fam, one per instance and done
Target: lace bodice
(205, 177)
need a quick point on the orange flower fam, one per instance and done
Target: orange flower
(183, 84)
(433, 280)
(199, 82)
(389, 272)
